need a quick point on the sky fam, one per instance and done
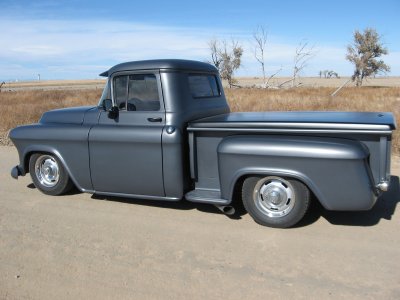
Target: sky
(80, 39)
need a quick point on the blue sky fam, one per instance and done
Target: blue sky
(80, 39)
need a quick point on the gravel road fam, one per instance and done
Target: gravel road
(83, 247)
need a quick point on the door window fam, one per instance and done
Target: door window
(120, 88)
(137, 92)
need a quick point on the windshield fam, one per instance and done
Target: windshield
(106, 93)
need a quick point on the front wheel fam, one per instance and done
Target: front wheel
(274, 201)
(49, 175)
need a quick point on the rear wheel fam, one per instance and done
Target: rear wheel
(275, 201)
(48, 174)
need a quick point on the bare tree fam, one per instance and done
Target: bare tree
(363, 53)
(260, 36)
(303, 54)
(272, 76)
(214, 46)
(1, 85)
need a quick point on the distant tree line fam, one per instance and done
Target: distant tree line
(328, 74)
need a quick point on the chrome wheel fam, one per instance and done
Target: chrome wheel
(274, 196)
(47, 171)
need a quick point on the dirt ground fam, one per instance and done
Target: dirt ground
(81, 246)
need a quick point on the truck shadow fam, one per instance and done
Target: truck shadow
(178, 205)
(384, 209)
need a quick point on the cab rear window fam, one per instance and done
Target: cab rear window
(204, 86)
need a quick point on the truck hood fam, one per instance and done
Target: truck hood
(305, 119)
(73, 115)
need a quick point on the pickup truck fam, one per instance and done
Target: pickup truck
(163, 130)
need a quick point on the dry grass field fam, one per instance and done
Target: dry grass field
(390, 81)
(26, 106)
(378, 99)
(54, 85)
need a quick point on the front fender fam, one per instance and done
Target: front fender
(335, 170)
(66, 141)
(51, 150)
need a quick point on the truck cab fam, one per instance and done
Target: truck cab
(152, 104)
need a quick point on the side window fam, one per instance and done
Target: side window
(203, 86)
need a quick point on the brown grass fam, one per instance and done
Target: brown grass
(24, 107)
(44, 84)
(334, 83)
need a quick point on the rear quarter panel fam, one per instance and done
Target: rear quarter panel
(336, 169)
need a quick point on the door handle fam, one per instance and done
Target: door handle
(154, 119)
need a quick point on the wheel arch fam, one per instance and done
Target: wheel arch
(241, 175)
(29, 151)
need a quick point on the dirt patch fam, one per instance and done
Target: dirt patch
(4, 140)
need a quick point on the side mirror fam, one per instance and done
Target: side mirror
(113, 112)
(107, 104)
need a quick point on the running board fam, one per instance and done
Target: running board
(205, 196)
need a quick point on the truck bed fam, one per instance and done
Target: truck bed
(371, 130)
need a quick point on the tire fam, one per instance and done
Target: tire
(49, 175)
(274, 201)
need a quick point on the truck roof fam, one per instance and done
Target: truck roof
(167, 64)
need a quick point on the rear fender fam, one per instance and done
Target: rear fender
(335, 170)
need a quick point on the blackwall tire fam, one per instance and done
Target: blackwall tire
(49, 175)
(275, 201)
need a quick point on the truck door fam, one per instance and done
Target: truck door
(126, 152)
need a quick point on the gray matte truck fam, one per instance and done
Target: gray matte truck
(163, 131)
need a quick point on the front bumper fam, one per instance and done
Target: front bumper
(15, 172)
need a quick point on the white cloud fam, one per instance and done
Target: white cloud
(77, 43)
(37, 50)
(83, 49)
